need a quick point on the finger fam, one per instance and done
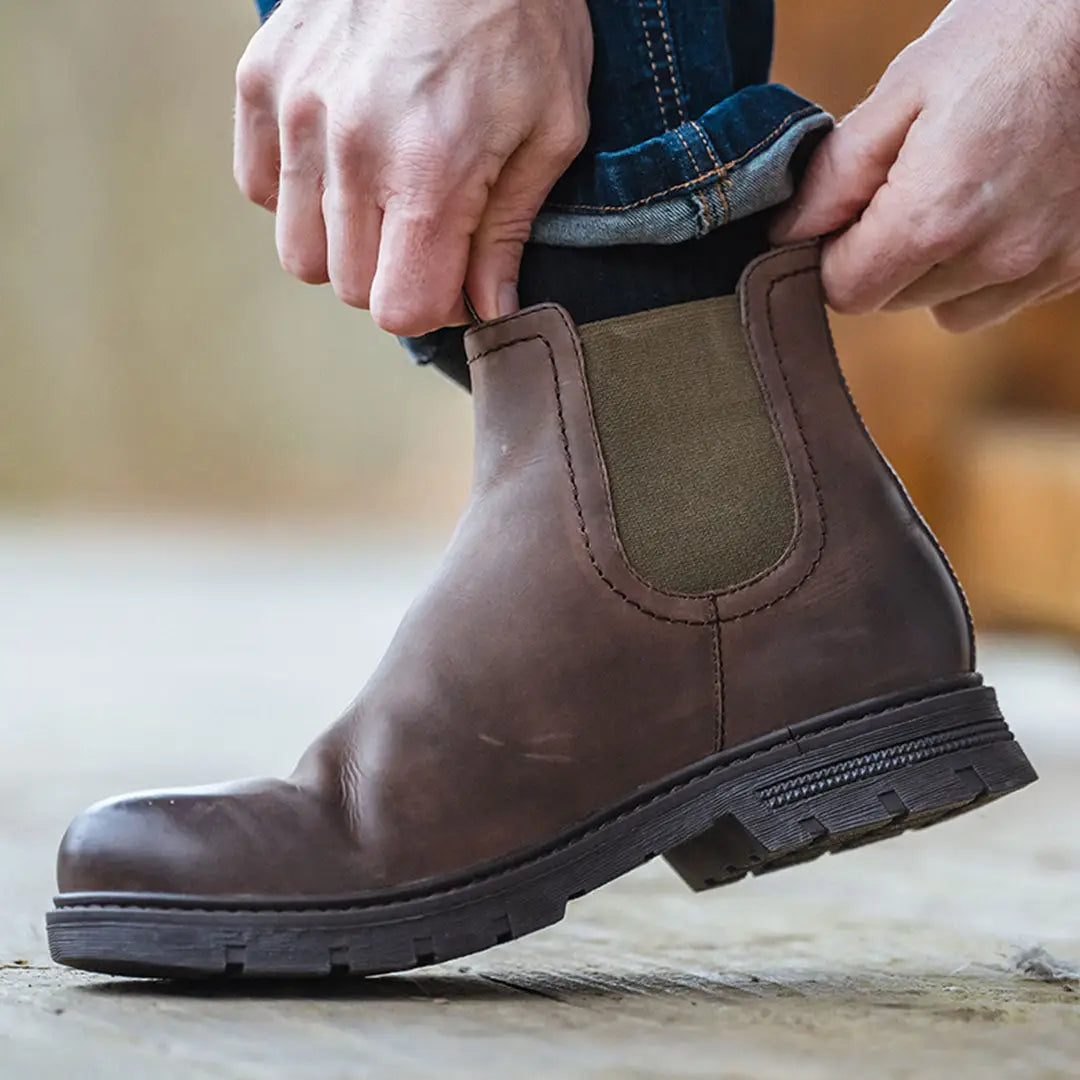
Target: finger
(353, 224)
(420, 270)
(256, 152)
(996, 303)
(300, 231)
(1060, 291)
(850, 165)
(868, 264)
(961, 276)
(499, 241)
(993, 260)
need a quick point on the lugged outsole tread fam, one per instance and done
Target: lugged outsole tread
(873, 764)
(826, 841)
(931, 778)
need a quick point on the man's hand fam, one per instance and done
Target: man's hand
(957, 182)
(407, 146)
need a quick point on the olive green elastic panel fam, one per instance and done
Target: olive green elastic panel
(699, 487)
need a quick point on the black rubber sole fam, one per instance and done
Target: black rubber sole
(831, 783)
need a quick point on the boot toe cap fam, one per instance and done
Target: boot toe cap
(262, 838)
(127, 844)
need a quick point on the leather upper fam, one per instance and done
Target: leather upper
(540, 679)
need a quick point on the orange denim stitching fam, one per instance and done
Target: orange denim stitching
(670, 60)
(686, 147)
(719, 171)
(652, 63)
(725, 208)
(707, 142)
(703, 202)
(722, 192)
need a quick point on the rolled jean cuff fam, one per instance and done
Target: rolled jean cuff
(740, 157)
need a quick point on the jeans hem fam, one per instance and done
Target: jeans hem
(729, 188)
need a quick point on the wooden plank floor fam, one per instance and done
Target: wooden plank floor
(134, 658)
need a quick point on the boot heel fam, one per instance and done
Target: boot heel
(852, 782)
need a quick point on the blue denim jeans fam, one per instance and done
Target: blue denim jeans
(687, 134)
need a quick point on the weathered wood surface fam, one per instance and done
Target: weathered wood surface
(129, 661)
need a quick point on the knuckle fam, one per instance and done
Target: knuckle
(252, 183)
(301, 112)
(346, 138)
(846, 300)
(566, 137)
(904, 74)
(939, 237)
(308, 267)
(419, 170)
(1013, 262)
(410, 319)
(422, 215)
(844, 291)
(824, 165)
(575, 131)
(897, 71)
(354, 293)
(508, 229)
(254, 81)
(334, 203)
(400, 321)
(421, 220)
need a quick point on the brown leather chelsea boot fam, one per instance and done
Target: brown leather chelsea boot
(688, 611)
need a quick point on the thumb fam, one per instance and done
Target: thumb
(849, 166)
(499, 240)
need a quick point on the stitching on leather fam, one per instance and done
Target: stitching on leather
(718, 676)
(506, 345)
(608, 513)
(899, 485)
(806, 450)
(581, 516)
(774, 417)
(715, 596)
(573, 477)
(799, 515)
(720, 170)
(468, 883)
(789, 552)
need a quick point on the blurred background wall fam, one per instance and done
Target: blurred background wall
(154, 357)
(152, 353)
